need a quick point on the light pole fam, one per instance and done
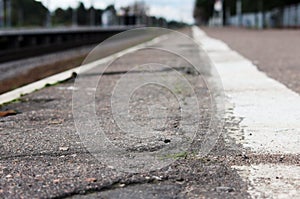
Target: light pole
(74, 15)
(218, 7)
(92, 14)
(8, 13)
(1, 13)
(239, 12)
(48, 19)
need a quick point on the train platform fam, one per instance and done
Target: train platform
(260, 72)
(174, 117)
(43, 155)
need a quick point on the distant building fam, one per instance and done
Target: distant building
(136, 14)
(109, 16)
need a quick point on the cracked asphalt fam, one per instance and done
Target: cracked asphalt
(42, 156)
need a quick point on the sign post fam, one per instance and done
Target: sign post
(1, 14)
(48, 20)
(239, 12)
(218, 7)
(8, 13)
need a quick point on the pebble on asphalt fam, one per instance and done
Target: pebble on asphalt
(63, 148)
(224, 189)
(91, 180)
(56, 181)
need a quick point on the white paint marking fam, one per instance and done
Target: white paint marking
(272, 181)
(270, 111)
(271, 119)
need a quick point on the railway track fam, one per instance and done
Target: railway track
(21, 44)
(30, 64)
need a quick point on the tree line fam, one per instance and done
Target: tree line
(33, 13)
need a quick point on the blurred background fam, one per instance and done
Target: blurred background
(40, 38)
(54, 13)
(248, 13)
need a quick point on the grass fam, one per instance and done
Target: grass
(176, 155)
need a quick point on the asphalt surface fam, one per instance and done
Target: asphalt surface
(275, 52)
(42, 156)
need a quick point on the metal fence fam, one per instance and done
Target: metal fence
(286, 17)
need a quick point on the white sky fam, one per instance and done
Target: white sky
(170, 9)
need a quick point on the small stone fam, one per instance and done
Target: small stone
(122, 185)
(38, 178)
(91, 180)
(167, 141)
(244, 156)
(224, 189)
(55, 122)
(180, 180)
(63, 148)
(56, 181)
(281, 158)
(1, 191)
(8, 176)
(147, 178)
(157, 178)
(175, 125)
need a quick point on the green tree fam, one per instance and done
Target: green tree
(62, 17)
(28, 13)
(83, 15)
(203, 11)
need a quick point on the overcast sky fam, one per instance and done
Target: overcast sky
(170, 9)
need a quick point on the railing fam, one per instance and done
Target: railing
(287, 17)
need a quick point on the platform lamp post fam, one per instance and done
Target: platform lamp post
(218, 7)
(74, 15)
(239, 12)
(1, 13)
(48, 19)
(92, 14)
(8, 13)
